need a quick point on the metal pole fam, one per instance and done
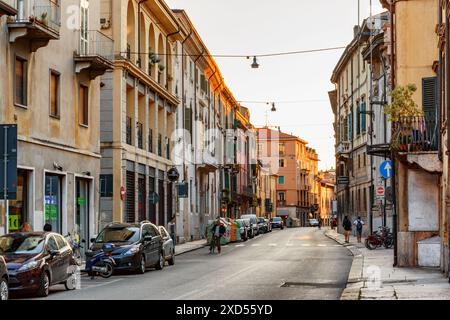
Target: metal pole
(5, 187)
(394, 209)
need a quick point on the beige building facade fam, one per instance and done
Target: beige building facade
(53, 53)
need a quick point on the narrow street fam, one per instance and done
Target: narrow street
(298, 263)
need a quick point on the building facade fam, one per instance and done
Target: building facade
(53, 56)
(138, 108)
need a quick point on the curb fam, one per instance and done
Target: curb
(190, 250)
(355, 279)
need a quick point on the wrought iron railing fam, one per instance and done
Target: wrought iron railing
(45, 12)
(129, 131)
(159, 145)
(95, 43)
(414, 134)
(140, 135)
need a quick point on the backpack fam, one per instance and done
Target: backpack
(359, 225)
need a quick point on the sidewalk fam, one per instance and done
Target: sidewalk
(372, 276)
(189, 246)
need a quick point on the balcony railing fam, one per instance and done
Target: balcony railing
(343, 147)
(140, 135)
(93, 43)
(47, 13)
(414, 134)
(129, 131)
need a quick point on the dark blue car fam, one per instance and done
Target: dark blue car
(136, 246)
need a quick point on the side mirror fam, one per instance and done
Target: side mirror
(148, 238)
(92, 240)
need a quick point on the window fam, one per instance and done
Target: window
(358, 121)
(83, 101)
(282, 163)
(106, 185)
(281, 196)
(363, 117)
(350, 126)
(281, 180)
(54, 94)
(20, 82)
(140, 135)
(61, 242)
(84, 42)
(51, 244)
(282, 148)
(53, 201)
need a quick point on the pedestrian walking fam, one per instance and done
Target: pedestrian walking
(347, 225)
(172, 232)
(217, 233)
(359, 228)
(320, 223)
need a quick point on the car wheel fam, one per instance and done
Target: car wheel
(44, 285)
(4, 290)
(161, 262)
(171, 261)
(141, 269)
(71, 282)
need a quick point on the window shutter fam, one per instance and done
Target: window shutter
(429, 101)
(363, 117)
(350, 126)
(358, 121)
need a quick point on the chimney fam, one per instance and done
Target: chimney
(355, 31)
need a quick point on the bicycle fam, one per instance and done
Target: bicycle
(382, 237)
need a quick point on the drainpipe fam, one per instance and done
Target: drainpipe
(183, 97)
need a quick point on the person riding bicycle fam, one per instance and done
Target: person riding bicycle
(218, 230)
(359, 228)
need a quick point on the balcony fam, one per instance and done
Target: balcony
(207, 163)
(37, 22)
(281, 203)
(343, 147)
(8, 7)
(414, 134)
(416, 140)
(95, 53)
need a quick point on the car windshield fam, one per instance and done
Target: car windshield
(119, 234)
(22, 244)
(276, 219)
(261, 220)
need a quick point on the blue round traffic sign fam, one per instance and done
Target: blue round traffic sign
(386, 169)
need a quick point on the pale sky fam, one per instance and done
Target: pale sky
(267, 26)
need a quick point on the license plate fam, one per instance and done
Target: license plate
(99, 269)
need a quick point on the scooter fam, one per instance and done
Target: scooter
(101, 263)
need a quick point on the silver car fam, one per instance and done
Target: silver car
(168, 246)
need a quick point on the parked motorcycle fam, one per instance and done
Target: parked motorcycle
(101, 263)
(383, 237)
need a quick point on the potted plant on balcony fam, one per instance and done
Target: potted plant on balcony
(401, 111)
(43, 18)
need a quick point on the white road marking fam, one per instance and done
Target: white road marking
(289, 244)
(273, 245)
(256, 245)
(305, 245)
(322, 245)
(240, 245)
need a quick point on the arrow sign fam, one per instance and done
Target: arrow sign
(386, 169)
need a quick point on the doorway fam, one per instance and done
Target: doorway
(82, 213)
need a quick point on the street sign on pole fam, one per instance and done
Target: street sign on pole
(8, 170)
(386, 169)
(173, 175)
(380, 192)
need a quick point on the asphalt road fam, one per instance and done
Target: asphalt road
(299, 263)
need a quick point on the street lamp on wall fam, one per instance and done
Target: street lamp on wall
(255, 64)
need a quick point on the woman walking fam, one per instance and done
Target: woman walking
(347, 225)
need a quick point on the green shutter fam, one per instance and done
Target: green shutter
(358, 122)
(363, 117)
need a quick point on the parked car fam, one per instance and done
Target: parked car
(253, 222)
(4, 280)
(36, 261)
(246, 229)
(263, 226)
(136, 246)
(168, 246)
(313, 222)
(277, 222)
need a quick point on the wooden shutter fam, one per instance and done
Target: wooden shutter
(429, 101)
